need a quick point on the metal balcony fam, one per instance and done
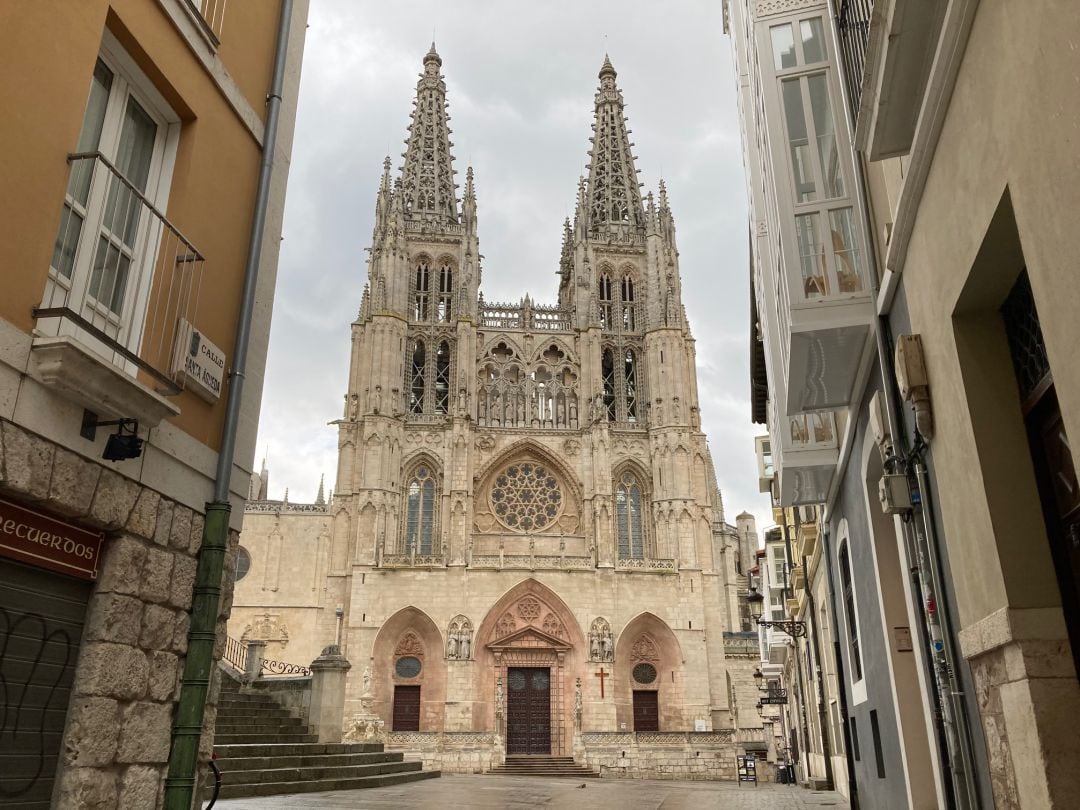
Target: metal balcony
(122, 283)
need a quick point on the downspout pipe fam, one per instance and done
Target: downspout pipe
(182, 779)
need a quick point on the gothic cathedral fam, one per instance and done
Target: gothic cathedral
(526, 542)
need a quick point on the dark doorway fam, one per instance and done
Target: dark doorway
(406, 708)
(1051, 454)
(646, 710)
(528, 710)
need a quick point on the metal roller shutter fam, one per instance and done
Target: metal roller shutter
(41, 621)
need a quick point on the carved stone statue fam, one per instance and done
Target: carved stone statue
(377, 400)
(367, 680)
(452, 646)
(594, 647)
(607, 647)
(577, 704)
(601, 646)
(464, 647)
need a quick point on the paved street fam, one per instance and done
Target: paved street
(491, 792)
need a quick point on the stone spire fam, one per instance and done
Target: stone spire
(468, 202)
(614, 196)
(427, 178)
(382, 200)
(320, 498)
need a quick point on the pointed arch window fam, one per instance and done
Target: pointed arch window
(630, 377)
(446, 290)
(629, 517)
(416, 363)
(442, 378)
(421, 503)
(607, 371)
(422, 291)
(628, 304)
(605, 301)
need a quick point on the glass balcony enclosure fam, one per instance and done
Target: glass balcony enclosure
(823, 287)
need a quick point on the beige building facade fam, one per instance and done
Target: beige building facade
(133, 131)
(525, 546)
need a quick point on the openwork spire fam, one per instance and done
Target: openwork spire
(614, 197)
(427, 178)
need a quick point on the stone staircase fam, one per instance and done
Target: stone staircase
(538, 765)
(263, 751)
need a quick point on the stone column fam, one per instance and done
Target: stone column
(253, 664)
(328, 694)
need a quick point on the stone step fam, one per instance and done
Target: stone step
(584, 774)
(281, 788)
(274, 738)
(287, 725)
(312, 761)
(231, 750)
(316, 774)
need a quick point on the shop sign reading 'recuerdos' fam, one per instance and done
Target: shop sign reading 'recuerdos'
(44, 541)
(198, 363)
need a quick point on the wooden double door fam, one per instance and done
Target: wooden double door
(406, 708)
(646, 710)
(528, 710)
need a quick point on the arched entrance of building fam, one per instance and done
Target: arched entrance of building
(531, 654)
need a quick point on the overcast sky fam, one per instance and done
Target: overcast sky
(520, 82)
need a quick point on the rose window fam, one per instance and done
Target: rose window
(526, 496)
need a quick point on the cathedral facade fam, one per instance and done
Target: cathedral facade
(526, 539)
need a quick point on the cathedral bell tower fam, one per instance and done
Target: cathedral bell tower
(415, 333)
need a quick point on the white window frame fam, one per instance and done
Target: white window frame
(128, 80)
(858, 687)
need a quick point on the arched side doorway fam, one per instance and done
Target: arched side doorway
(531, 654)
(409, 673)
(649, 677)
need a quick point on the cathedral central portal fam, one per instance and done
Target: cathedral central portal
(528, 710)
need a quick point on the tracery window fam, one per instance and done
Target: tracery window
(416, 377)
(629, 518)
(442, 378)
(526, 496)
(630, 377)
(607, 371)
(605, 301)
(421, 505)
(446, 290)
(618, 303)
(621, 382)
(422, 290)
(514, 393)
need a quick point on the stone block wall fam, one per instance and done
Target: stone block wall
(662, 755)
(450, 752)
(127, 680)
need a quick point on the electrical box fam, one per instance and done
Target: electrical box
(910, 368)
(894, 492)
(879, 420)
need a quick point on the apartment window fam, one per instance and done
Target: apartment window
(879, 754)
(848, 594)
(112, 233)
(783, 44)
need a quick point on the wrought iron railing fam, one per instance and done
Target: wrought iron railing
(122, 277)
(211, 15)
(235, 654)
(269, 667)
(853, 26)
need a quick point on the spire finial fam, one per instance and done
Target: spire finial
(607, 68)
(428, 172)
(320, 499)
(433, 55)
